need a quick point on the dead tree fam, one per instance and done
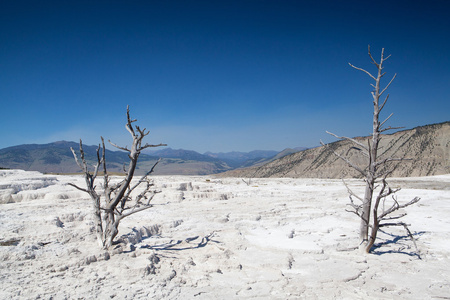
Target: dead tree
(377, 191)
(116, 201)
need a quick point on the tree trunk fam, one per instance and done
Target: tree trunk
(365, 214)
(373, 233)
(110, 231)
(372, 168)
(98, 219)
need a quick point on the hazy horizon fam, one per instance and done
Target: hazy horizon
(148, 150)
(215, 76)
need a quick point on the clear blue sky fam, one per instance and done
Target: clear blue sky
(217, 75)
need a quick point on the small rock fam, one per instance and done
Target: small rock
(153, 258)
(106, 255)
(291, 234)
(90, 259)
(150, 269)
(58, 222)
(222, 220)
(172, 275)
(191, 262)
(63, 268)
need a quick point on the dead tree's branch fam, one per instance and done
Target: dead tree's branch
(119, 147)
(348, 162)
(82, 166)
(396, 206)
(143, 179)
(382, 123)
(362, 71)
(390, 128)
(394, 217)
(371, 57)
(128, 126)
(386, 58)
(349, 139)
(381, 93)
(136, 210)
(78, 188)
(351, 192)
(150, 146)
(383, 104)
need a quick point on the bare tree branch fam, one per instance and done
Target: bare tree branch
(348, 162)
(384, 102)
(396, 206)
(82, 167)
(382, 123)
(351, 193)
(151, 146)
(349, 139)
(119, 147)
(371, 57)
(390, 128)
(77, 187)
(362, 71)
(381, 93)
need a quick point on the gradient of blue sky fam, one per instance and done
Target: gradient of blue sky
(217, 75)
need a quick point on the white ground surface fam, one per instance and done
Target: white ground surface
(220, 239)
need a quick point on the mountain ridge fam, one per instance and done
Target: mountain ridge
(428, 147)
(56, 157)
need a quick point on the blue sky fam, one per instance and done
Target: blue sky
(217, 75)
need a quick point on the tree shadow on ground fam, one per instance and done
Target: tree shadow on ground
(398, 244)
(187, 244)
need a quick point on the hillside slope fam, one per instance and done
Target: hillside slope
(428, 147)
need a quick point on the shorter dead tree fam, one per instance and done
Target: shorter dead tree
(377, 207)
(115, 201)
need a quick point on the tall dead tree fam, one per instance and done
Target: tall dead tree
(377, 191)
(116, 201)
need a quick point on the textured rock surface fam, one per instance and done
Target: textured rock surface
(274, 239)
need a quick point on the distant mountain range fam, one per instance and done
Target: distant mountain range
(427, 147)
(57, 158)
